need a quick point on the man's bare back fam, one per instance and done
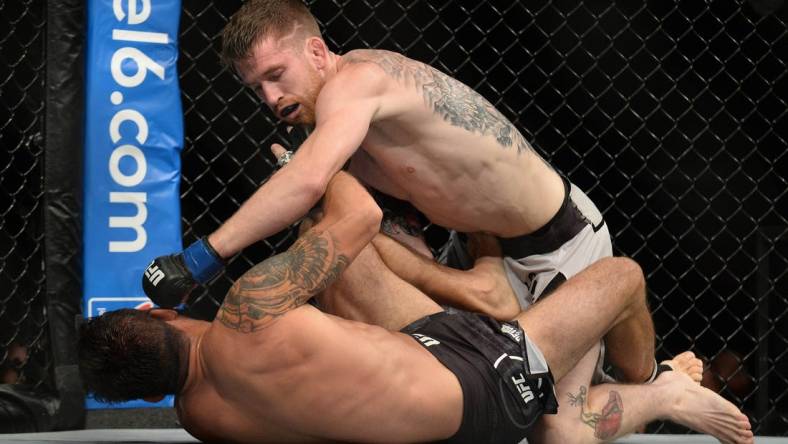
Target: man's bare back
(280, 370)
(439, 144)
(311, 376)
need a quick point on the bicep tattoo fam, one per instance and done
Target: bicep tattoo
(282, 283)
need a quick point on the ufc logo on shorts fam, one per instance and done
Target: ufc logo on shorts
(426, 340)
(525, 391)
(153, 274)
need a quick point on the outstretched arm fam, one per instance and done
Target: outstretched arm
(286, 281)
(344, 110)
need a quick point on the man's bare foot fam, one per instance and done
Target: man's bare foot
(702, 410)
(688, 364)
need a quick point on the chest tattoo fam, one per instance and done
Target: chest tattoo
(452, 100)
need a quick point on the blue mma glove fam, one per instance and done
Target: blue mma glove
(169, 280)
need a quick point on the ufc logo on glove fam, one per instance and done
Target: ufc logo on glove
(153, 273)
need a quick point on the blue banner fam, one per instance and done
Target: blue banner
(133, 139)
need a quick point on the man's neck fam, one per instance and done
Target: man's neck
(333, 64)
(191, 368)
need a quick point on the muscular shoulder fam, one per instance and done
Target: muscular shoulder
(374, 80)
(356, 75)
(376, 70)
(393, 65)
(355, 86)
(375, 57)
(456, 103)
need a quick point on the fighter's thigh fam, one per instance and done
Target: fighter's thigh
(369, 292)
(575, 316)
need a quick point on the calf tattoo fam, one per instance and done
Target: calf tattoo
(605, 424)
(455, 102)
(282, 283)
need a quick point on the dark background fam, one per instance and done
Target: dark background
(671, 115)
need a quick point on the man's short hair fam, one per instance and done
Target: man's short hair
(127, 354)
(257, 19)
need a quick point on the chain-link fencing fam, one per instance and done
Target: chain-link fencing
(24, 357)
(672, 117)
(40, 78)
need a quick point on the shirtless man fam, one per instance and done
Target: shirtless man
(271, 368)
(415, 133)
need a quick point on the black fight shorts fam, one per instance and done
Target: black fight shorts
(506, 384)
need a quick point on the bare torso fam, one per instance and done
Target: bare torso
(443, 147)
(316, 377)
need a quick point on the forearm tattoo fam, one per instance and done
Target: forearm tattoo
(282, 283)
(605, 424)
(455, 102)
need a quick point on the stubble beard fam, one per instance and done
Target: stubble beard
(308, 101)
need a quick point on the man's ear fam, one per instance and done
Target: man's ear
(165, 314)
(153, 399)
(317, 51)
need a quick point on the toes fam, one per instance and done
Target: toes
(686, 362)
(697, 374)
(746, 438)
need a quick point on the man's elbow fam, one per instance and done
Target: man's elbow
(364, 223)
(373, 216)
(367, 217)
(314, 189)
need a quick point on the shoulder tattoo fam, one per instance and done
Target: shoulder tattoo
(455, 102)
(282, 283)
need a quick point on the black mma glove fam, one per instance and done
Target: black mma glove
(168, 280)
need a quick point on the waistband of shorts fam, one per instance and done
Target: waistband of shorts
(563, 226)
(418, 323)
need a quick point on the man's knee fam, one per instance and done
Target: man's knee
(626, 272)
(624, 267)
(631, 269)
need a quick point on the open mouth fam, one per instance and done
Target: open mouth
(286, 111)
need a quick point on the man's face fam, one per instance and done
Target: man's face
(281, 74)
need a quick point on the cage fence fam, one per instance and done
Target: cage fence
(671, 115)
(23, 338)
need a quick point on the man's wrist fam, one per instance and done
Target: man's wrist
(202, 260)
